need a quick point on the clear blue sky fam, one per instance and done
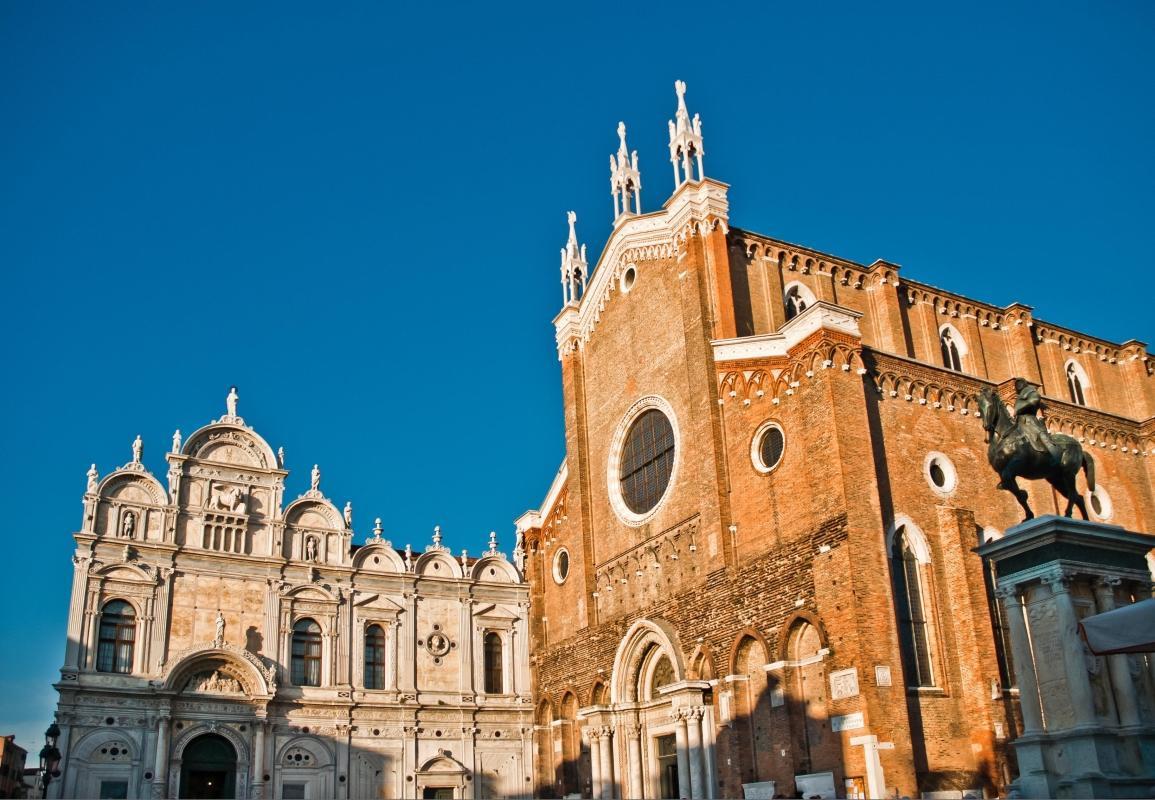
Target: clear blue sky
(353, 211)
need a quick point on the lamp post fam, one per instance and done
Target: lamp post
(49, 758)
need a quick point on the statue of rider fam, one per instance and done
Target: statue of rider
(1028, 403)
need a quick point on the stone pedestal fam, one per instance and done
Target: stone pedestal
(1077, 740)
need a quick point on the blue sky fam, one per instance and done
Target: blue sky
(354, 213)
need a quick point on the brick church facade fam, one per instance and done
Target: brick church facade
(754, 571)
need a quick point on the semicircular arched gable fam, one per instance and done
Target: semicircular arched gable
(494, 569)
(133, 487)
(378, 558)
(230, 444)
(438, 564)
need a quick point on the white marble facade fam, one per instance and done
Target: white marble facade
(201, 612)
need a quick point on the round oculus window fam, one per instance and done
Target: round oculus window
(1100, 503)
(647, 461)
(940, 473)
(768, 447)
(628, 278)
(561, 565)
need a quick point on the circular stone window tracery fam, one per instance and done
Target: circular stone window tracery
(767, 447)
(643, 460)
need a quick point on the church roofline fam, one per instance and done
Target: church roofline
(994, 308)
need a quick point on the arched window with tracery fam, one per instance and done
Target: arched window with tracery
(306, 653)
(494, 679)
(948, 341)
(374, 657)
(117, 640)
(909, 568)
(1076, 383)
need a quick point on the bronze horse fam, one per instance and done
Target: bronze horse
(1012, 456)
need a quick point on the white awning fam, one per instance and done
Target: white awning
(1130, 629)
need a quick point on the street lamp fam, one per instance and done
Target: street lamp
(49, 757)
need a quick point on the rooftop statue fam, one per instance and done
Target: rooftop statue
(1022, 447)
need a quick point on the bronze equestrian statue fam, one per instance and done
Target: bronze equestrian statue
(1023, 448)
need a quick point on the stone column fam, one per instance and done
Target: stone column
(708, 750)
(160, 764)
(683, 753)
(693, 718)
(634, 733)
(1024, 664)
(1126, 698)
(468, 662)
(391, 644)
(606, 741)
(72, 658)
(1078, 682)
(258, 760)
(595, 762)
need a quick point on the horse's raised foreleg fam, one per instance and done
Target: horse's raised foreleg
(1011, 485)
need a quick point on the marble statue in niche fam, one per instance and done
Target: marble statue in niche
(311, 548)
(128, 525)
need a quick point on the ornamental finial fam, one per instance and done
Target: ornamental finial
(493, 543)
(625, 179)
(685, 141)
(377, 529)
(573, 265)
(437, 536)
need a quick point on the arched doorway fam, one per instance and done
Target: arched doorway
(209, 768)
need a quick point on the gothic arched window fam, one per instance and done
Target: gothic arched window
(306, 655)
(797, 300)
(494, 679)
(374, 657)
(1076, 384)
(117, 637)
(912, 599)
(951, 359)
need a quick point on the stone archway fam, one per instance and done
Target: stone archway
(186, 746)
(209, 768)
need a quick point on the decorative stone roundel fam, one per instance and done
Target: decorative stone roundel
(437, 644)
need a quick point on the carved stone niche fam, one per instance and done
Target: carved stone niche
(216, 676)
(215, 681)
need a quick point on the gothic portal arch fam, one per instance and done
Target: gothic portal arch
(636, 651)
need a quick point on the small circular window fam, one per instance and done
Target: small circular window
(561, 565)
(628, 278)
(940, 473)
(768, 446)
(1100, 504)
